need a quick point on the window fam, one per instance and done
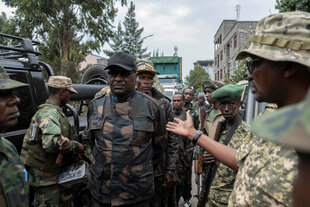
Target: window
(235, 41)
(222, 55)
(215, 61)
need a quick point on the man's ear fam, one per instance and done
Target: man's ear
(289, 70)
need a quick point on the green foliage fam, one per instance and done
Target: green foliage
(238, 74)
(196, 77)
(130, 38)
(293, 5)
(68, 29)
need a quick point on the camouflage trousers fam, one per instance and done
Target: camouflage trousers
(184, 185)
(169, 196)
(157, 198)
(145, 203)
(52, 196)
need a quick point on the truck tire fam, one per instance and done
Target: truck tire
(95, 71)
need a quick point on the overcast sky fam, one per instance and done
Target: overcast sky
(189, 24)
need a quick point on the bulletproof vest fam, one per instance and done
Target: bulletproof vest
(33, 155)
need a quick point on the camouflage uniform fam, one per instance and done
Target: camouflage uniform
(40, 158)
(224, 179)
(14, 193)
(187, 179)
(13, 189)
(266, 171)
(184, 160)
(129, 140)
(161, 195)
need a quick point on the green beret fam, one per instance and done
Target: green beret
(288, 126)
(228, 93)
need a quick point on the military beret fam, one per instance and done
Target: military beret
(8, 84)
(288, 126)
(228, 93)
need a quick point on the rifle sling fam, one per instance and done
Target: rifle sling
(215, 166)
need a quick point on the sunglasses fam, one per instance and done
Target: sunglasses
(123, 73)
(253, 64)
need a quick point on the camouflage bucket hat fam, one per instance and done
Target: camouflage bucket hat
(289, 126)
(144, 65)
(281, 37)
(6, 83)
(61, 82)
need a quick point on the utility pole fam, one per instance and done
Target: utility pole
(238, 10)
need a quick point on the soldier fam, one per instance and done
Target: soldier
(184, 157)
(278, 50)
(214, 115)
(290, 127)
(189, 97)
(127, 128)
(47, 140)
(167, 175)
(232, 133)
(13, 189)
(210, 127)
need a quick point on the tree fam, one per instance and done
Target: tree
(130, 38)
(118, 41)
(68, 29)
(196, 78)
(293, 5)
(3, 20)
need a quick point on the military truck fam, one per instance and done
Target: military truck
(21, 62)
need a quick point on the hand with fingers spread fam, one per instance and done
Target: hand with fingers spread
(182, 128)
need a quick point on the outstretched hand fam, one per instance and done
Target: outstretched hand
(180, 127)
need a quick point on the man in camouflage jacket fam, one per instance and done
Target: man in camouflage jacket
(167, 175)
(185, 158)
(279, 50)
(127, 129)
(13, 189)
(223, 182)
(43, 155)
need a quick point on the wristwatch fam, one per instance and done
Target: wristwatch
(196, 137)
(170, 172)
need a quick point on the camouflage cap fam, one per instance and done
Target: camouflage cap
(6, 83)
(61, 82)
(144, 65)
(281, 37)
(228, 93)
(288, 126)
(212, 84)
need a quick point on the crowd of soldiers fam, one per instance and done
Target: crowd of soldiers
(142, 145)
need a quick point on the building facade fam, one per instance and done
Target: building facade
(207, 65)
(231, 37)
(93, 59)
(168, 65)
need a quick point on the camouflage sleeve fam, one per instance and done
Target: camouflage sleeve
(173, 143)
(159, 142)
(52, 140)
